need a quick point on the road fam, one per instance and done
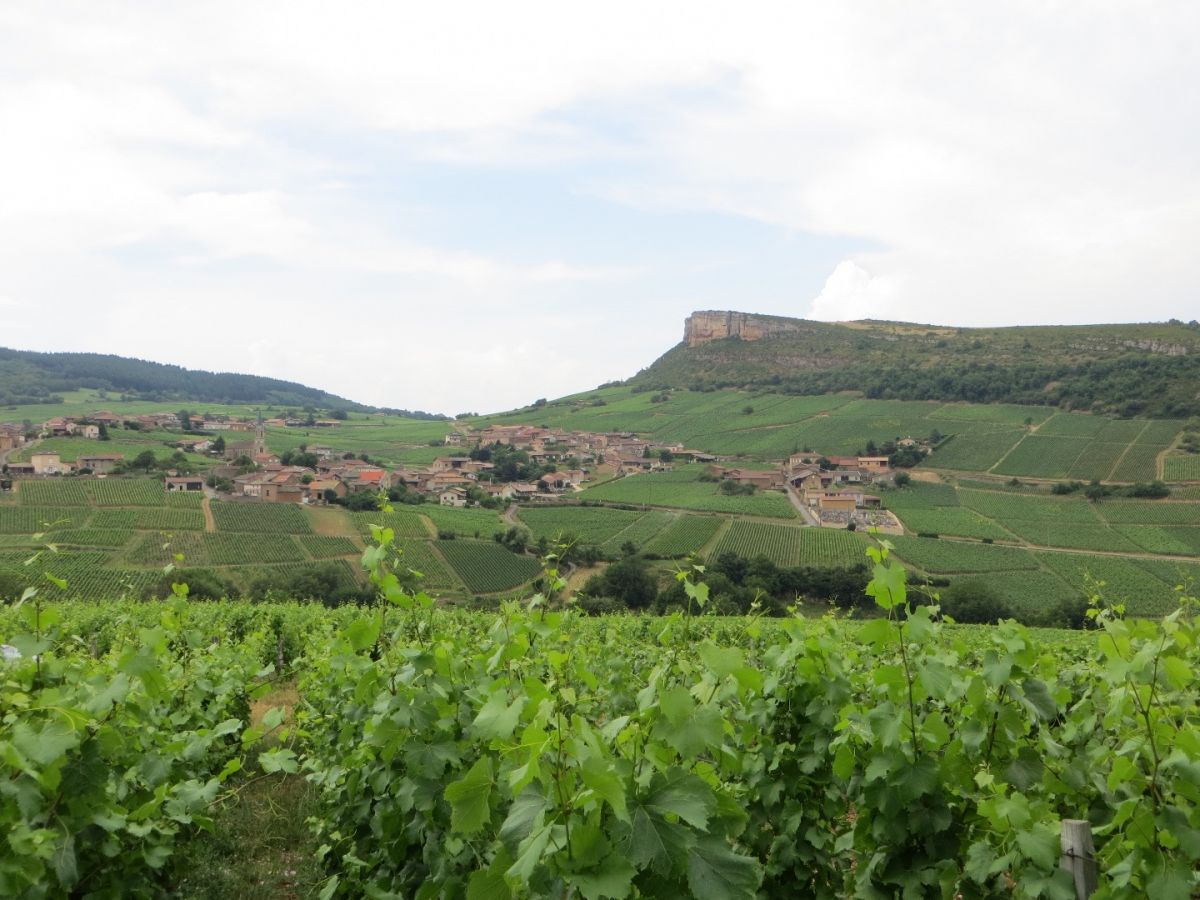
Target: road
(805, 513)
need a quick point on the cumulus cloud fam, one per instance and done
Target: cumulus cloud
(852, 293)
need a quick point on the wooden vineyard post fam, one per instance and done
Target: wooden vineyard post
(1079, 857)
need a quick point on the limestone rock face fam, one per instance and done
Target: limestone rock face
(712, 325)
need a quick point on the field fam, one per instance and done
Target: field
(682, 489)
(765, 426)
(939, 557)
(65, 492)
(30, 519)
(150, 519)
(686, 535)
(479, 523)
(1129, 581)
(216, 550)
(259, 518)
(788, 546)
(590, 524)
(127, 444)
(405, 522)
(1134, 528)
(952, 520)
(418, 556)
(638, 533)
(320, 546)
(485, 567)
(1182, 467)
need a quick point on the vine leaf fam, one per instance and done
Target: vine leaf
(468, 798)
(715, 872)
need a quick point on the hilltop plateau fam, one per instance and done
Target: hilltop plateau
(1126, 370)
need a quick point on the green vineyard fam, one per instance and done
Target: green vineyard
(686, 756)
(485, 567)
(788, 546)
(686, 535)
(261, 518)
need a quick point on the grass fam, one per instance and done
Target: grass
(260, 847)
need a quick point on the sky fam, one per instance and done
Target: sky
(467, 206)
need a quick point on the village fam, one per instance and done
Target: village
(828, 491)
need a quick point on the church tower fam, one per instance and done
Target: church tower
(260, 437)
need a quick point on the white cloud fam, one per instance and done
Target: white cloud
(220, 164)
(852, 293)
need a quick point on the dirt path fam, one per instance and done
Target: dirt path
(210, 524)
(509, 516)
(260, 846)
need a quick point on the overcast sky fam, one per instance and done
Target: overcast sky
(466, 206)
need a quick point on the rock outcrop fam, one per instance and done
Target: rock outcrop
(713, 325)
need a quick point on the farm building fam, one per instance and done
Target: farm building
(101, 465)
(47, 464)
(184, 483)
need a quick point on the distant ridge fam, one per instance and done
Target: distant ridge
(1128, 370)
(31, 377)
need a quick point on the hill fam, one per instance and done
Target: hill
(28, 377)
(1126, 370)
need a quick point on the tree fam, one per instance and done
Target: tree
(628, 581)
(902, 479)
(218, 446)
(974, 602)
(185, 419)
(361, 501)
(145, 460)
(11, 586)
(872, 450)
(104, 432)
(666, 456)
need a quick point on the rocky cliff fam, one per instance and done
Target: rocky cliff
(713, 325)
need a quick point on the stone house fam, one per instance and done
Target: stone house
(453, 497)
(100, 464)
